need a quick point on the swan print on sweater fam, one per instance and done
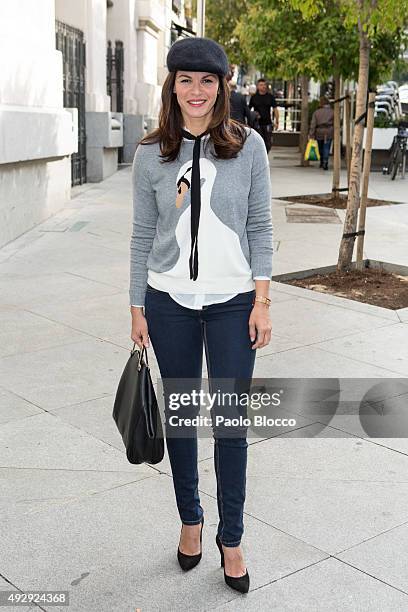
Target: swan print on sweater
(219, 250)
(234, 233)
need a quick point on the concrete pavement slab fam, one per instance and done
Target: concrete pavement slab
(279, 296)
(397, 444)
(7, 586)
(30, 491)
(356, 407)
(284, 266)
(65, 375)
(289, 178)
(76, 255)
(320, 254)
(311, 362)
(351, 424)
(403, 314)
(110, 539)
(389, 251)
(116, 552)
(329, 492)
(385, 347)
(112, 274)
(90, 315)
(278, 344)
(26, 332)
(335, 300)
(328, 585)
(95, 418)
(45, 441)
(125, 342)
(384, 556)
(308, 322)
(13, 407)
(36, 288)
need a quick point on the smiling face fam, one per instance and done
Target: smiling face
(196, 93)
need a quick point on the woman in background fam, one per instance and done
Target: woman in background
(321, 129)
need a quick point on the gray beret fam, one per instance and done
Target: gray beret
(198, 55)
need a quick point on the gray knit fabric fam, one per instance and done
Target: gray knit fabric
(198, 54)
(239, 200)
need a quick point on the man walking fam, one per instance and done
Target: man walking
(239, 109)
(262, 102)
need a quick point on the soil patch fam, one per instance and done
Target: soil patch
(371, 286)
(332, 201)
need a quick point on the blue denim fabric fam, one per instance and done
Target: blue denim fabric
(324, 149)
(178, 335)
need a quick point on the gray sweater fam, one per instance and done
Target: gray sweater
(235, 230)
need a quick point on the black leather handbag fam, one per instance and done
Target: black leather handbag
(136, 412)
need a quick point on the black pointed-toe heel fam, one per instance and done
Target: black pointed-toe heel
(240, 584)
(187, 562)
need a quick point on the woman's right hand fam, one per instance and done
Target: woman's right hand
(140, 332)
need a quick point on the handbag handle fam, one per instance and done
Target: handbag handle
(149, 417)
(143, 352)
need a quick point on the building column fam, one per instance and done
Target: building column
(104, 129)
(38, 135)
(139, 24)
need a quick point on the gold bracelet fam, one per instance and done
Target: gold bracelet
(262, 299)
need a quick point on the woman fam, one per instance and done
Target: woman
(321, 129)
(197, 252)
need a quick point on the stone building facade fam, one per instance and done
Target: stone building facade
(80, 83)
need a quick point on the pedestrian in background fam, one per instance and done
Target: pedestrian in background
(239, 109)
(322, 130)
(263, 102)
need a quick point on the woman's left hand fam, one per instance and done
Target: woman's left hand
(260, 325)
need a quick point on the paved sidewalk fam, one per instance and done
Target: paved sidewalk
(326, 525)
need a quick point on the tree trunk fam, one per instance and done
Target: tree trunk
(348, 238)
(304, 122)
(366, 178)
(336, 139)
(348, 134)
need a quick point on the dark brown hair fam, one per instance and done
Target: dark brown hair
(226, 135)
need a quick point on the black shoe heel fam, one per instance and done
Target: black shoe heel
(218, 542)
(240, 584)
(187, 562)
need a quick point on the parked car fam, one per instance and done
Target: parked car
(403, 96)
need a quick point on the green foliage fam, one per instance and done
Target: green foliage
(221, 18)
(285, 38)
(374, 16)
(316, 38)
(385, 54)
(400, 71)
(384, 122)
(272, 39)
(280, 41)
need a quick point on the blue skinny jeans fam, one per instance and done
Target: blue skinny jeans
(178, 335)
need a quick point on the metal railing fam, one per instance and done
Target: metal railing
(290, 110)
(70, 41)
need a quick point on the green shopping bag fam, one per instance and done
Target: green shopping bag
(312, 151)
